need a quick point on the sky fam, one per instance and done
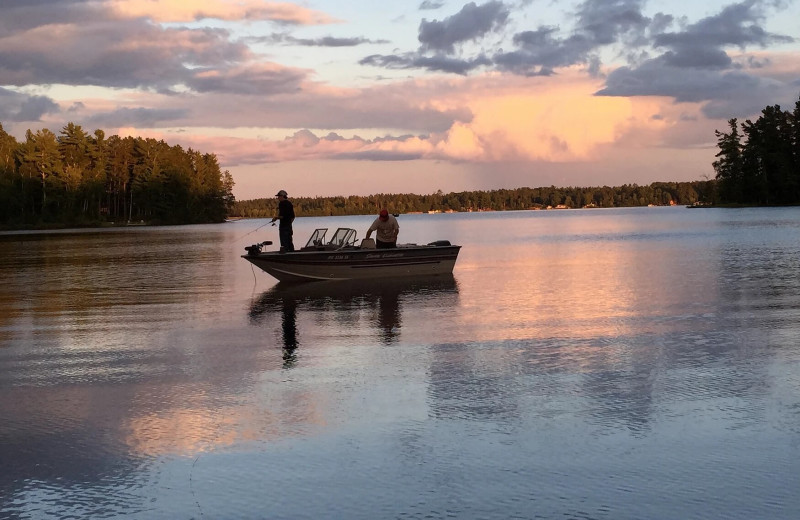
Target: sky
(324, 97)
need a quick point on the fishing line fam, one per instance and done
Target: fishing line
(191, 485)
(256, 229)
(252, 269)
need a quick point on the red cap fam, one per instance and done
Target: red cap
(384, 214)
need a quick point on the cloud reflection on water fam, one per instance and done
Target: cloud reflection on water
(595, 339)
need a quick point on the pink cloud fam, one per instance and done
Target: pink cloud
(183, 11)
(511, 119)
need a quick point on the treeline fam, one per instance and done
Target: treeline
(657, 193)
(75, 178)
(760, 165)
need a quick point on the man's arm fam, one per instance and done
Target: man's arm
(372, 228)
(279, 214)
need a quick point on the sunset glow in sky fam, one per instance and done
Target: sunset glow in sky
(362, 97)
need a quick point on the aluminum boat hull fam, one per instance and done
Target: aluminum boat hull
(356, 263)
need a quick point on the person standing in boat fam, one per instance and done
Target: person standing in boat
(286, 217)
(386, 228)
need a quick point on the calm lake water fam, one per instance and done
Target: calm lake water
(595, 364)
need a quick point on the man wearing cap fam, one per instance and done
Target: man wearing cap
(286, 217)
(386, 228)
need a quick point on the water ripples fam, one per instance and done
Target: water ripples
(610, 364)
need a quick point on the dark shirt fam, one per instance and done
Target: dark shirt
(286, 213)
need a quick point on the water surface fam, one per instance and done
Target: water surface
(617, 364)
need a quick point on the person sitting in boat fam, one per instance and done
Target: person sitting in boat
(386, 228)
(286, 217)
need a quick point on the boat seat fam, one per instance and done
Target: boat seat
(367, 243)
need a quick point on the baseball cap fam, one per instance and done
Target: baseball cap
(384, 215)
(281, 193)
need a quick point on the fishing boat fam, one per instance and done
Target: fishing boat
(340, 258)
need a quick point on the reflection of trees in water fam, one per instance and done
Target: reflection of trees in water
(103, 275)
(491, 381)
(344, 303)
(759, 284)
(621, 391)
(610, 384)
(466, 384)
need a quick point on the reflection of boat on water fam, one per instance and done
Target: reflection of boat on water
(341, 259)
(325, 292)
(345, 299)
(345, 290)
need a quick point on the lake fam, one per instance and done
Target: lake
(639, 363)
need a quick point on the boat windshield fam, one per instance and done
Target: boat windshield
(317, 237)
(343, 237)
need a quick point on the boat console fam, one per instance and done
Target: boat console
(342, 237)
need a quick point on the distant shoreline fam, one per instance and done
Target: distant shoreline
(52, 226)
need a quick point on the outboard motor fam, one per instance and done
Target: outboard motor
(255, 249)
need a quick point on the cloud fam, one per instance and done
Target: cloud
(690, 64)
(34, 107)
(512, 119)
(438, 63)
(303, 145)
(113, 44)
(131, 16)
(658, 78)
(702, 44)
(145, 56)
(137, 54)
(254, 79)
(723, 94)
(535, 52)
(304, 138)
(535, 119)
(441, 37)
(541, 50)
(378, 155)
(183, 11)
(430, 5)
(16, 106)
(404, 106)
(735, 25)
(138, 117)
(471, 23)
(607, 22)
(696, 67)
(324, 41)
(21, 15)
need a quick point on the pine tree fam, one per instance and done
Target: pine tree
(728, 166)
